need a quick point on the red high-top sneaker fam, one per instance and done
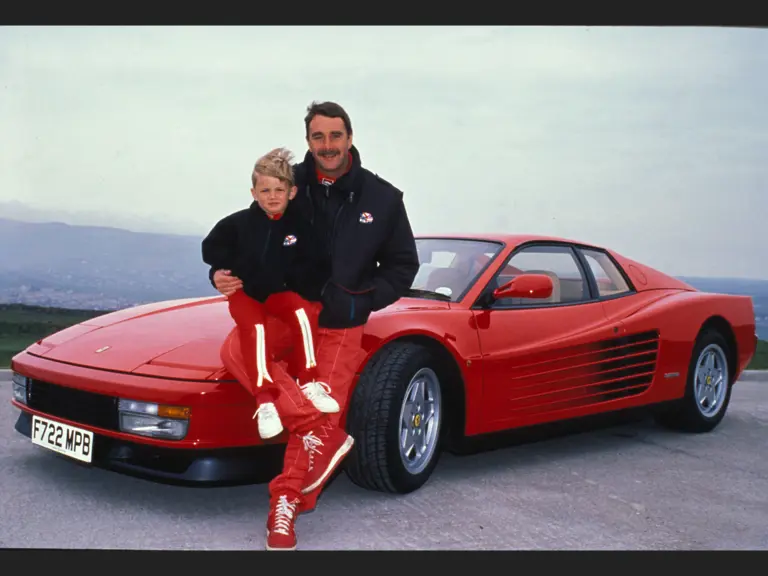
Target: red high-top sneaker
(326, 449)
(281, 533)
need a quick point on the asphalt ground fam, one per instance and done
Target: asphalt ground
(627, 486)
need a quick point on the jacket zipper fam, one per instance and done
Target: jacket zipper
(266, 246)
(334, 231)
(311, 205)
(334, 227)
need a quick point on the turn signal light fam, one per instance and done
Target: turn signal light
(173, 412)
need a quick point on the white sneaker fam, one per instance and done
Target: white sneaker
(319, 394)
(269, 420)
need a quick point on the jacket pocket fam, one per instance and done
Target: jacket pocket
(346, 306)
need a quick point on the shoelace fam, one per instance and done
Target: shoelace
(259, 409)
(313, 389)
(284, 512)
(311, 442)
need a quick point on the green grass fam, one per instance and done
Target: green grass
(760, 360)
(21, 325)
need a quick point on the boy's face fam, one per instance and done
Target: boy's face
(272, 194)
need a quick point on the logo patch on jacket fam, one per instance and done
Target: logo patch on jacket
(366, 217)
(289, 240)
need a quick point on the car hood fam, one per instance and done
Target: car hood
(413, 304)
(178, 339)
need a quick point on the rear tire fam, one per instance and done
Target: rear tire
(385, 408)
(706, 397)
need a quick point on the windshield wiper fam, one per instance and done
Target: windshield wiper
(428, 294)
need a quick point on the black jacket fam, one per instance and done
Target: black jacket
(369, 257)
(268, 255)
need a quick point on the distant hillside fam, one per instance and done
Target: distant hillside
(90, 267)
(163, 222)
(100, 268)
(746, 287)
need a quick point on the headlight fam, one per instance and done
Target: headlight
(20, 387)
(155, 420)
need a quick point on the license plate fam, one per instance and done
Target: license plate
(68, 440)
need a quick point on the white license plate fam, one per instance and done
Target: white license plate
(68, 440)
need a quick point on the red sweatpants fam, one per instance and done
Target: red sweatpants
(257, 344)
(338, 354)
(297, 413)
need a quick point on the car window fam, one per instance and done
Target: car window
(609, 280)
(557, 262)
(450, 266)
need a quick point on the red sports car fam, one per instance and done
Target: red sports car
(498, 332)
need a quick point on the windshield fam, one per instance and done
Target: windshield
(450, 266)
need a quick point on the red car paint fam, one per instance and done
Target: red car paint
(519, 366)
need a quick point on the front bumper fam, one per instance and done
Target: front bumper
(221, 411)
(200, 467)
(222, 445)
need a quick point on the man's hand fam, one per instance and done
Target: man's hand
(225, 282)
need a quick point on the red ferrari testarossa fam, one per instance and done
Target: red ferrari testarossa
(498, 332)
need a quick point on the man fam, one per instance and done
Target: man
(370, 261)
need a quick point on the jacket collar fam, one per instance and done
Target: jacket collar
(257, 212)
(306, 172)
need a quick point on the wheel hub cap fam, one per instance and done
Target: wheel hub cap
(711, 380)
(420, 421)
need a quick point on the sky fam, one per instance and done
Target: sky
(649, 141)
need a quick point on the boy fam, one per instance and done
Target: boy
(271, 250)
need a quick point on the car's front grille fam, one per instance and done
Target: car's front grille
(72, 404)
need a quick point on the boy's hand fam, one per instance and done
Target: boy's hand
(226, 283)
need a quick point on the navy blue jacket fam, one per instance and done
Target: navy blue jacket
(268, 255)
(367, 258)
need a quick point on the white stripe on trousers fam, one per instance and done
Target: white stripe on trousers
(306, 333)
(261, 355)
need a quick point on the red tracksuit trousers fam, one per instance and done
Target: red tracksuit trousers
(257, 344)
(338, 354)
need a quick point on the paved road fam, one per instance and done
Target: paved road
(634, 486)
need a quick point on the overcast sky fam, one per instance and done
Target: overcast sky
(650, 141)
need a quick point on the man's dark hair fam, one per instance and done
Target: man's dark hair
(330, 110)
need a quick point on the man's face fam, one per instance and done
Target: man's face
(329, 143)
(272, 194)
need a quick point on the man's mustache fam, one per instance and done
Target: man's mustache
(329, 153)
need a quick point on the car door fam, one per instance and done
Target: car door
(544, 358)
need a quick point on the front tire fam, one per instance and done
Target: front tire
(708, 387)
(396, 418)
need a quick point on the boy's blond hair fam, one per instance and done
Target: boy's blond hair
(275, 163)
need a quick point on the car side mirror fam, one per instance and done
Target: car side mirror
(525, 286)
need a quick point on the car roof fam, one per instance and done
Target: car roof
(509, 239)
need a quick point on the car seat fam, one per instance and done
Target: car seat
(451, 278)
